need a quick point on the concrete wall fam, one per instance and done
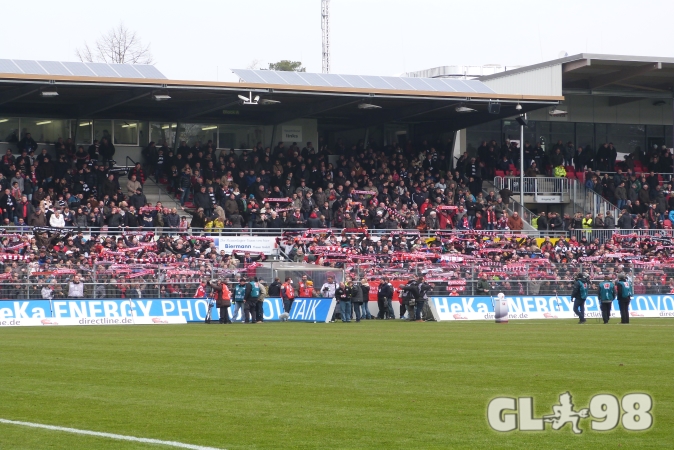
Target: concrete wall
(542, 81)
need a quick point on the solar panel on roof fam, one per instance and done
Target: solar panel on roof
(356, 81)
(376, 82)
(335, 80)
(79, 69)
(361, 81)
(314, 79)
(293, 78)
(479, 86)
(271, 77)
(149, 71)
(398, 83)
(438, 85)
(126, 70)
(102, 70)
(31, 67)
(54, 68)
(7, 66)
(250, 76)
(419, 84)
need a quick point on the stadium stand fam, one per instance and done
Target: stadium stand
(397, 210)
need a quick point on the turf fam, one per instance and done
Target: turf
(292, 385)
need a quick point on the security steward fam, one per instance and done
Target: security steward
(606, 295)
(579, 295)
(287, 294)
(384, 297)
(306, 287)
(250, 301)
(260, 301)
(625, 292)
(223, 299)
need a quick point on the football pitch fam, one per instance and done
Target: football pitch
(374, 384)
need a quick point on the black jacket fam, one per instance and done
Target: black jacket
(385, 290)
(274, 289)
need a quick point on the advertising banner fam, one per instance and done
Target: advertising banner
(545, 307)
(147, 311)
(253, 244)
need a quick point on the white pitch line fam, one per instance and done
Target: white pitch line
(120, 437)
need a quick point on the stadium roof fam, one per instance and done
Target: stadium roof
(590, 73)
(80, 69)
(361, 81)
(337, 101)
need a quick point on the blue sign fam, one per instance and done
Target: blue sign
(193, 309)
(545, 307)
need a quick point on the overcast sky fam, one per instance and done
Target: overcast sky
(202, 40)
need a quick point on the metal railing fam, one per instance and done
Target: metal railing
(530, 277)
(606, 234)
(277, 232)
(535, 185)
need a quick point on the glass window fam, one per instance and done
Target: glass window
(83, 131)
(584, 135)
(655, 130)
(9, 129)
(626, 138)
(45, 130)
(484, 132)
(126, 132)
(162, 132)
(240, 136)
(143, 133)
(199, 132)
(102, 128)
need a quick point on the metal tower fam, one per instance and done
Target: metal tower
(325, 27)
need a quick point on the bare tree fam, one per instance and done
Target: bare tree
(119, 46)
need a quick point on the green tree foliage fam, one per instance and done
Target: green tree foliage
(287, 66)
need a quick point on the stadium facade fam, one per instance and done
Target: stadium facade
(622, 99)
(135, 104)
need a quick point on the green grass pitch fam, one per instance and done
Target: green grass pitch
(376, 384)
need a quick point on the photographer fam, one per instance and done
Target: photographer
(384, 296)
(356, 296)
(410, 296)
(342, 296)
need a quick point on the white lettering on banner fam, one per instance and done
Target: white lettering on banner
(545, 307)
(300, 310)
(110, 309)
(197, 312)
(6, 313)
(94, 310)
(59, 309)
(144, 307)
(187, 309)
(254, 244)
(167, 307)
(20, 310)
(127, 309)
(38, 313)
(312, 310)
(468, 304)
(78, 309)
